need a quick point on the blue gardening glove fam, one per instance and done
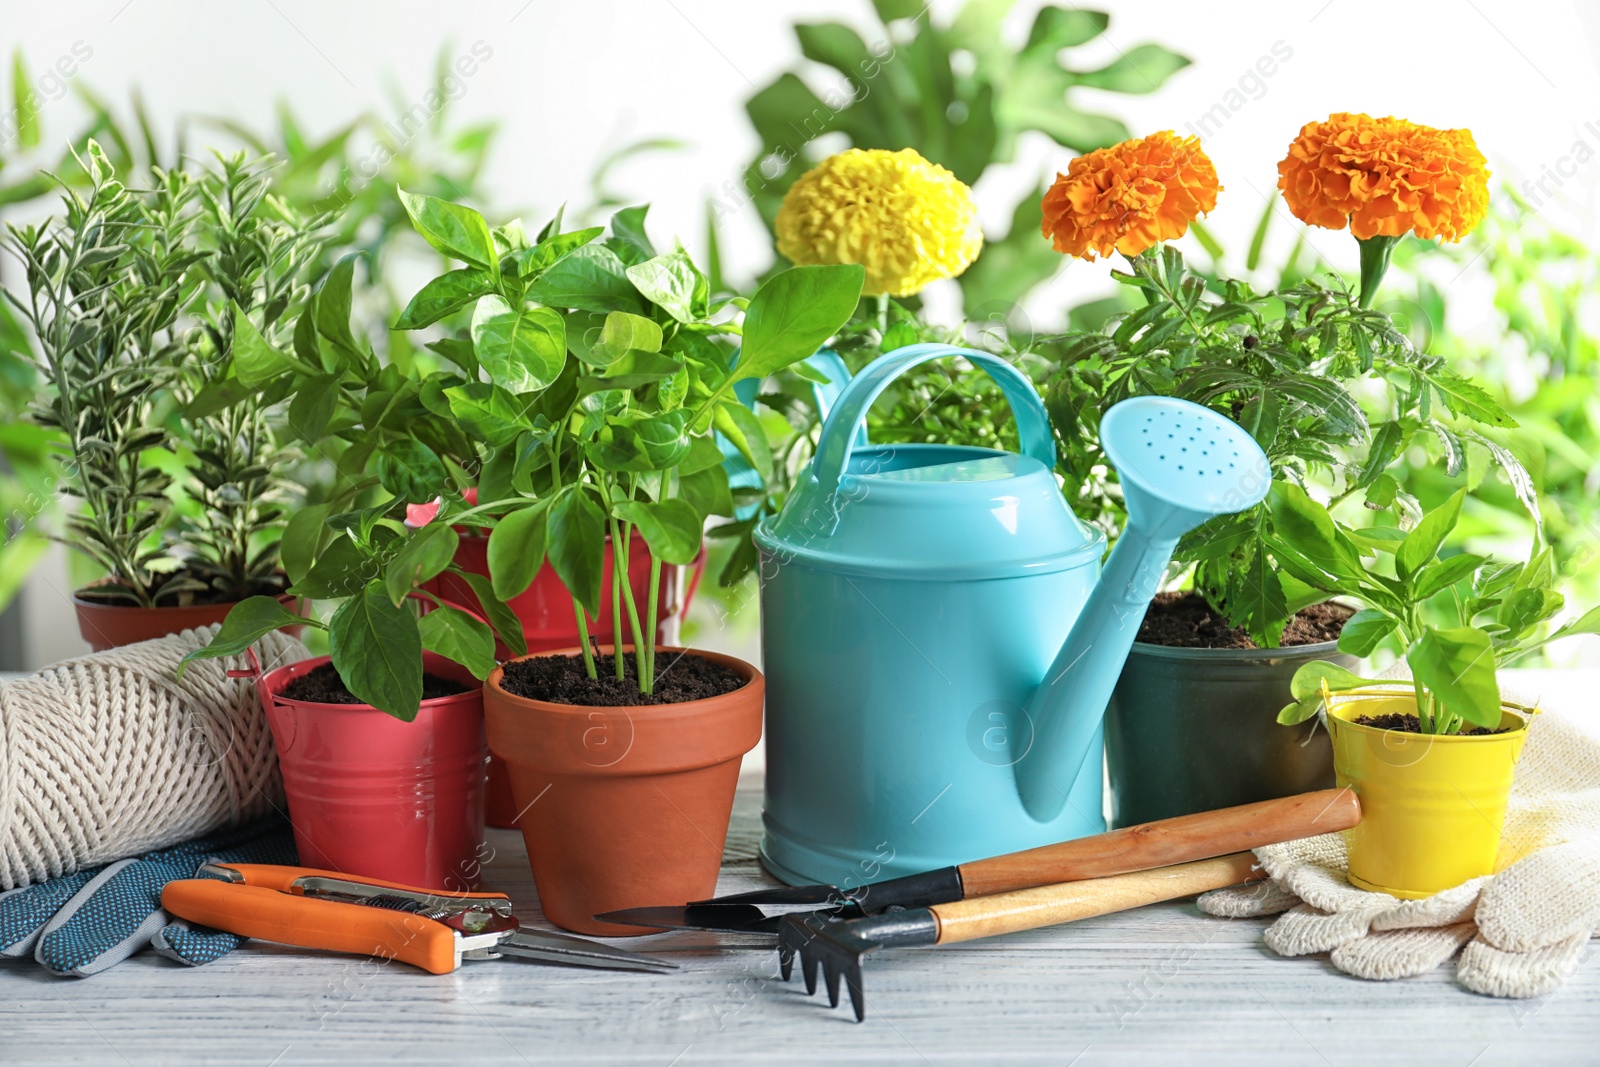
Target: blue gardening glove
(82, 923)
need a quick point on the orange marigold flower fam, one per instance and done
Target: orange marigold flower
(1385, 177)
(1130, 196)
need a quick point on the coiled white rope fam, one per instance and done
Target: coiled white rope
(110, 755)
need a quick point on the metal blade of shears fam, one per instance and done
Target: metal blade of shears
(546, 947)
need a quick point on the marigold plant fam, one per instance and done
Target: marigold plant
(1129, 197)
(909, 222)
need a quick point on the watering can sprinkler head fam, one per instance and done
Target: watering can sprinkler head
(1179, 465)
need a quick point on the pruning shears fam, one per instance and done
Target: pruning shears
(430, 929)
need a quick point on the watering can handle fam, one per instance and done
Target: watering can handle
(839, 433)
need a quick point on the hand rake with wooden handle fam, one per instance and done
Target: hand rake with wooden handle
(838, 945)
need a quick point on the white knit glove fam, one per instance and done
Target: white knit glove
(1524, 927)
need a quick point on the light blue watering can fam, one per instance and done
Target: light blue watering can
(938, 640)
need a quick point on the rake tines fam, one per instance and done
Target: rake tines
(837, 946)
(826, 943)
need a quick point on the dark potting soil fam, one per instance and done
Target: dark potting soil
(1185, 620)
(1410, 724)
(562, 680)
(322, 685)
(104, 592)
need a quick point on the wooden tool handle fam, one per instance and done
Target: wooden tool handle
(255, 911)
(1029, 909)
(1168, 841)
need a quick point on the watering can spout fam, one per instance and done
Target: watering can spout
(1179, 465)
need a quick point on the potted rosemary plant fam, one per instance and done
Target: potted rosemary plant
(151, 311)
(1432, 759)
(1190, 727)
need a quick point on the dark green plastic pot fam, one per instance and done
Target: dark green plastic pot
(1194, 729)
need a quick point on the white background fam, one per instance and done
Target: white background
(570, 82)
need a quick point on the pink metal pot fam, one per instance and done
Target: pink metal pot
(371, 795)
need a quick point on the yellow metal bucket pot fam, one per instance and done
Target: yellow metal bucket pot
(1432, 806)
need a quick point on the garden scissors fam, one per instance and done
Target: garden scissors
(430, 929)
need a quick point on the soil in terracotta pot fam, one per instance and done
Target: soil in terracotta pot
(103, 593)
(562, 680)
(322, 685)
(1410, 724)
(1185, 620)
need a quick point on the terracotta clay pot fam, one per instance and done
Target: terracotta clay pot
(624, 807)
(114, 625)
(371, 795)
(548, 623)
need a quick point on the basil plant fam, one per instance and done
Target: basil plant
(1457, 616)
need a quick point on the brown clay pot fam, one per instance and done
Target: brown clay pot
(624, 807)
(114, 625)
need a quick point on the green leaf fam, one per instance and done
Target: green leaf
(1466, 398)
(703, 454)
(1523, 609)
(422, 555)
(457, 351)
(1364, 631)
(622, 333)
(590, 278)
(531, 261)
(452, 229)
(1441, 574)
(1382, 492)
(333, 305)
(255, 362)
(1260, 600)
(247, 622)
(739, 425)
(707, 491)
(627, 227)
(640, 445)
(1457, 666)
(523, 349)
(1055, 28)
(457, 636)
(633, 370)
(517, 549)
(1307, 681)
(1142, 69)
(487, 412)
(501, 617)
(341, 569)
(791, 316)
(412, 471)
(378, 652)
(25, 103)
(218, 396)
(313, 406)
(1386, 442)
(445, 295)
(1426, 538)
(672, 528)
(1308, 529)
(674, 284)
(577, 545)
(304, 536)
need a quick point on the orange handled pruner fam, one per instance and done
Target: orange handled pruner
(349, 913)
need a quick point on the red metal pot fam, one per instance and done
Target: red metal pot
(548, 622)
(371, 795)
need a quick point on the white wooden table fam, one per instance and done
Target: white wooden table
(1163, 985)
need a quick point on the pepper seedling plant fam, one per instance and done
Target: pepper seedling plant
(1458, 617)
(594, 379)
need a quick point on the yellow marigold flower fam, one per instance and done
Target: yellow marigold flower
(1130, 196)
(1385, 177)
(907, 221)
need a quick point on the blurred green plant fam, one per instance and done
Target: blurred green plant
(962, 96)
